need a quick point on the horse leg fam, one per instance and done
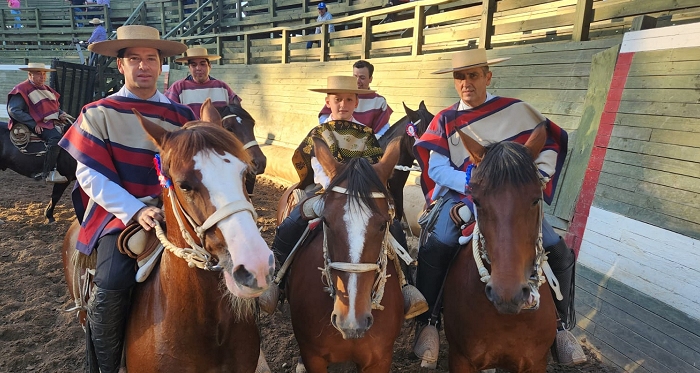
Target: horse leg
(459, 364)
(312, 364)
(56, 193)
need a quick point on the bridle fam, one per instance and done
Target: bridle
(247, 145)
(196, 255)
(379, 266)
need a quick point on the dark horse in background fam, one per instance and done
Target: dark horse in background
(235, 119)
(28, 164)
(408, 128)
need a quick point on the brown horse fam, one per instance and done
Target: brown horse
(188, 319)
(339, 314)
(237, 120)
(495, 326)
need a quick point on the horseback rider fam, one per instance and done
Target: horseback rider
(347, 138)
(372, 109)
(116, 177)
(199, 85)
(485, 118)
(36, 105)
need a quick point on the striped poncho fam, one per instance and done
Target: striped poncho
(108, 138)
(499, 119)
(193, 94)
(42, 103)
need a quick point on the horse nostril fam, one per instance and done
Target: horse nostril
(526, 292)
(334, 320)
(370, 321)
(245, 278)
(489, 292)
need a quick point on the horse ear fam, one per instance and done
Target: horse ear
(476, 151)
(325, 157)
(537, 139)
(208, 113)
(408, 111)
(391, 156)
(154, 131)
(422, 105)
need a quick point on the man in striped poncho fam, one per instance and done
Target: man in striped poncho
(115, 174)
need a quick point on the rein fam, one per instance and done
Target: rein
(379, 266)
(247, 145)
(196, 255)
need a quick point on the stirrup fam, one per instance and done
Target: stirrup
(414, 302)
(268, 300)
(56, 177)
(427, 345)
(568, 349)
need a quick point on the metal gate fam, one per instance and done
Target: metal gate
(75, 83)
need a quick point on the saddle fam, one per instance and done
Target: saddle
(27, 141)
(141, 245)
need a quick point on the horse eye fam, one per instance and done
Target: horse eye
(185, 186)
(536, 202)
(476, 202)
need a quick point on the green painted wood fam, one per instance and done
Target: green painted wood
(670, 123)
(647, 96)
(654, 162)
(684, 153)
(663, 82)
(602, 68)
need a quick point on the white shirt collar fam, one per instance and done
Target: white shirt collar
(463, 106)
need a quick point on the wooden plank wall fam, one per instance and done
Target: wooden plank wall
(552, 77)
(652, 166)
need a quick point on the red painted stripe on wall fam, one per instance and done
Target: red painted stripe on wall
(600, 146)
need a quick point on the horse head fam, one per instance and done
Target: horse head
(241, 124)
(202, 169)
(357, 211)
(507, 195)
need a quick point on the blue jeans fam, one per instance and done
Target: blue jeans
(17, 18)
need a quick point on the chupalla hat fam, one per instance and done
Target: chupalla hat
(36, 66)
(341, 84)
(198, 52)
(96, 21)
(468, 59)
(137, 36)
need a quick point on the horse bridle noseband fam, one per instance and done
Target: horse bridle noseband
(196, 255)
(247, 145)
(379, 266)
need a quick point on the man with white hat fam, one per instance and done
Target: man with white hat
(35, 104)
(115, 174)
(446, 167)
(347, 139)
(199, 85)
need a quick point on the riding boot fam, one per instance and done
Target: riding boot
(286, 237)
(107, 312)
(562, 260)
(50, 174)
(433, 261)
(414, 302)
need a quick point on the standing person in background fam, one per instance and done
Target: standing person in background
(199, 85)
(323, 15)
(109, 10)
(14, 9)
(77, 10)
(98, 34)
(372, 109)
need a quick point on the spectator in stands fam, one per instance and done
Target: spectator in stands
(35, 105)
(98, 34)
(109, 10)
(14, 9)
(323, 15)
(77, 10)
(372, 110)
(199, 85)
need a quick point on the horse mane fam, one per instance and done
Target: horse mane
(506, 163)
(197, 136)
(362, 180)
(237, 110)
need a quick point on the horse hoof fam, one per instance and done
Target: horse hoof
(262, 364)
(300, 366)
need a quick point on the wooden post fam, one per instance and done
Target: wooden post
(285, 46)
(2, 24)
(324, 42)
(37, 14)
(108, 21)
(239, 12)
(219, 50)
(162, 18)
(582, 20)
(366, 38)
(488, 7)
(643, 22)
(246, 49)
(271, 9)
(72, 18)
(418, 26)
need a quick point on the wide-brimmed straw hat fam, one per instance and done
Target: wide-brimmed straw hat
(341, 84)
(96, 21)
(137, 36)
(468, 59)
(36, 66)
(197, 52)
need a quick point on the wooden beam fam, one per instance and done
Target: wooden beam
(488, 7)
(271, 10)
(418, 26)
(582, 20)
(643, 22)
(285, 46)
(219, 50)
(366, 38)
(324, 42)
(246, 49)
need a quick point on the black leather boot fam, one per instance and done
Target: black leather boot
(107, 313)
(50, 159)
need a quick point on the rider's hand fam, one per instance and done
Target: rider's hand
(37, 130)
(148, 215)
(63, 117)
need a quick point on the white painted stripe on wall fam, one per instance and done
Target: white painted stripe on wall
(653, 260)
(681, 36)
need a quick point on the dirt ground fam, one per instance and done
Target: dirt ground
(37, 336)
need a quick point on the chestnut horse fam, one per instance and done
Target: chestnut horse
(494, 326)
(352, 310)
(186, 319)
